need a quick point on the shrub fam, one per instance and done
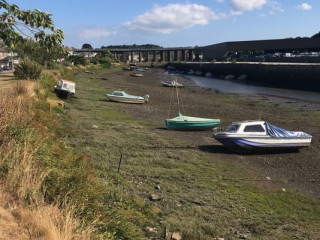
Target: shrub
(28, 69)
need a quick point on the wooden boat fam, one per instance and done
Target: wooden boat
(171, 83)
(260, 135)
(121, 96)
(65, 88)
(191, 123)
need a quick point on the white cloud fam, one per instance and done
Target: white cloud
(233, 12)
(246, 5)
(304, 6)
(275, 7)
(173, 17)
(94, 33)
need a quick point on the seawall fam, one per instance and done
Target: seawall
(289, 76)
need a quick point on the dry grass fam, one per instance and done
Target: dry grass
(38, 223)
(22, 208)
(14, 106)
(52, 223)
(25, 174)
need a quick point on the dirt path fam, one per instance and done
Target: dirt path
(299, 171)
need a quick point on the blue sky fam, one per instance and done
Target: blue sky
(173, 23)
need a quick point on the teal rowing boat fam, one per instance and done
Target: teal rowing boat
(191, 123)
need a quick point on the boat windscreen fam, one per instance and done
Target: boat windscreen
(233, 128)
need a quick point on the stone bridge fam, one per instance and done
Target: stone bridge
(181, 54)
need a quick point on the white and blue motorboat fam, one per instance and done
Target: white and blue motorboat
(261, 135)
(171, 83)
(122, 96)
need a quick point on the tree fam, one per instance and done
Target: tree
(34, 51)
(77, 60)
(17, 25)
(104, 58)
(317, 35)
(86, 46)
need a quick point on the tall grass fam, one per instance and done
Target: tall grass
(23, 171)
(52, 223)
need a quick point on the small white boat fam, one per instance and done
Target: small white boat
(191, 72)
(198, 73)
(171, 83)
(136, 74)
(229, 77)
(208, 74)
(121, 96)
(65, 88)
(242, 77)
(260, 135)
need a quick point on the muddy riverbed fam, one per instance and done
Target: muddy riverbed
(298, 171)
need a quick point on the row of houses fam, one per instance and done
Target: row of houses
(6, 59)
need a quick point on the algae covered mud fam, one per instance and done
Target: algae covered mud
(203, 191)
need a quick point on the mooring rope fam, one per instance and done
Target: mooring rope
(170, 102)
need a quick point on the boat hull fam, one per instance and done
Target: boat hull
(262, 143)
(190, 126)
(170, 84)
(63, 93)
(191, 123)
(126, 100)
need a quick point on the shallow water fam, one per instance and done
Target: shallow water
(241, 88)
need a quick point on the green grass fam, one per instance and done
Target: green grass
(203, 197)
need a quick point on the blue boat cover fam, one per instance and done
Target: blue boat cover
(277, 132)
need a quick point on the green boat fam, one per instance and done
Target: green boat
(191, 123)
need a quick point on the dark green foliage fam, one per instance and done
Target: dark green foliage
(317, 35)
(39, 24)
(134, 46)
(38, 53)
(77, 60)
(28, 69)
(86, 46)
(105, 58)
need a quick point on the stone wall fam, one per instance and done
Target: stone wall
(301, 77)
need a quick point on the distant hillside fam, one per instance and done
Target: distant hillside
(134, 46)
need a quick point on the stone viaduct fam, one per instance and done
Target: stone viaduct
(181, 54)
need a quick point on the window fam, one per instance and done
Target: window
(254, 128)
(233, 128)
(117, 93)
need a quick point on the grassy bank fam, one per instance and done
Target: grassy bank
(62, 169)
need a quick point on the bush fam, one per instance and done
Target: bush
(28, 69)
(77, 60)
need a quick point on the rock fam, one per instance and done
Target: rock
(154, 197)
(151, 229)
(268, 178)
(176, 236)
(243, 236)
